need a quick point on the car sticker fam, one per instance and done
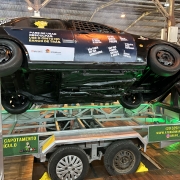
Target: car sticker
(3, 21)
(129, 46)
(113, 51)
(94, 51)
(50, 53)
(112, 39)
(125, 54)
(96, 41)
(123, 38)
(41, 24)
(44, 37)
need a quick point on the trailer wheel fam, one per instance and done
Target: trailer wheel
(68, 162)
(122, 157)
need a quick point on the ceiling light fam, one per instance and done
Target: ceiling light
(166, 4)
(123, 15)
(30, 8)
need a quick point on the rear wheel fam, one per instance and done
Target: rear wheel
(164, 60)
(122, 157)
(10, 57)
(16, 104)
(131, 101)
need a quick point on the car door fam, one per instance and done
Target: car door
(46, 40)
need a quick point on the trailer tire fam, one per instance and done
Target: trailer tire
(122, 157)
(61, 159)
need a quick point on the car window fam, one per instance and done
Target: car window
(40, 23)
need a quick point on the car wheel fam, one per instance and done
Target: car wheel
(131, 101)
(164, 60)
(122, 157)
(16, 104)
(10, 57)
(69, 162)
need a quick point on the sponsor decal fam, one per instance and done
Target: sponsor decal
(112, 39)
(129, 46)
(113, 51)
(43, 37)
(140, 45)
(94, 51)
(41, 24)
(96, 40)
(123, 38)
(125, 54)
(143, 38)
(50, 53)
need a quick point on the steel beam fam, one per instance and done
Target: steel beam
(102, 6)
(171, 19)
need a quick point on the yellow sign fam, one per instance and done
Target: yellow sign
(41, 24)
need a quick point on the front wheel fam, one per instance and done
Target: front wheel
(131, 101)
(11, 57)
(122, 157)
(16, 104)
(164, 60)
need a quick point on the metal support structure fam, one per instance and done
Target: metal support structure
(37, 5)
(1, 142)
(161, 9)
(103, 6)
(171, 19)
(137, 20)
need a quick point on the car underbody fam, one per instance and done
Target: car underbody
(85, 86)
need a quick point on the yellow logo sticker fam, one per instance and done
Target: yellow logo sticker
(41, 24)
(140, 45)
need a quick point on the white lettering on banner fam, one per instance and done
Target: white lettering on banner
(113, 51)
(50, 53)
(122, 38)
(112, 39)
(125, 54)
(93, 51)
(96, 40)
(129, 46)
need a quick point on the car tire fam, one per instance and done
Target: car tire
(131, 101)
(59, 162)
(16, 104)
(164, 60)
(11, 57)
(122, 157)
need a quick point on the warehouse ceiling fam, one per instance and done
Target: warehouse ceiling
(142, 16)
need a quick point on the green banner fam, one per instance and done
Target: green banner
(164, 133)
(20, 145)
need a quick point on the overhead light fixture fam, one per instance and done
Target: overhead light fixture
(123, 15)
(30, 8)
(166, 4)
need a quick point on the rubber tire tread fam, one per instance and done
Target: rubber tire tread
(16, 60)
(113, 149)
(129, 106)
(20, 110)
(64, 151)
(159, 69)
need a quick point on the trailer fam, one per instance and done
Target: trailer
(70, 138)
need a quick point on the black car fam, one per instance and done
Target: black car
(55, 61)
